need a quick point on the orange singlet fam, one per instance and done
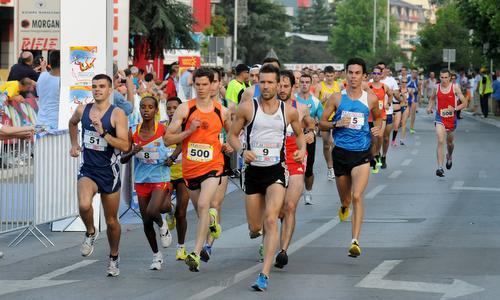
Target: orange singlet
(380, 92)
(202, 150)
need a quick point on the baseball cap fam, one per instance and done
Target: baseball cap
(241, 68)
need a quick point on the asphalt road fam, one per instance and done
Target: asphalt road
(424, 237)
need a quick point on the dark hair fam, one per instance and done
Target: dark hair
(445, 71)
(307, 76)
(356, 61)
(269, 60)
(218, 71)
(55, 59)
(127, 72)
(268, 68)
(141, 71)
(494, 77)
(381, 63)
(152, 98)
(25, 81)
(103, 76)
(174, 98)
(203, 72)
(377, 67)
(329, 69)
(148, 77)
(289, 74)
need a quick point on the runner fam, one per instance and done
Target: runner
(407, 95)
(447, 95)
(351, 154)
(296, 169)
(254, 74)
(104, 135)
(304, 96)
(174, 161)
(206, 252)
(201, 120)
(323, 92)
(416, 87)
(265, 175)
(151, 176)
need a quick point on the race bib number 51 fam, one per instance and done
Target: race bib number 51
(357, 119)
(200, 152)
(92, 140)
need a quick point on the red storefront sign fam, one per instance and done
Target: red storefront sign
(189, 61)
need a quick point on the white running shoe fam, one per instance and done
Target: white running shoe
(88, 244)
(307, 198)
(331, 174)
(165, 236)
(1, 254)
(157, 261)
(113, 269)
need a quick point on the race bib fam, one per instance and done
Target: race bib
(200, 152)
(148, 156)
(92, 140)
(267, 152)
(447, 113)
(357, 119)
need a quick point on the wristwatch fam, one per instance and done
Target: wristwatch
(334, 123)
(103, 134)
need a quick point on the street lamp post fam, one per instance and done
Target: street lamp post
(388, 21)
(235, 38)
(374, 24)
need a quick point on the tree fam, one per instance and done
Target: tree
(353, 33)
(448, 32)
(162, 24)
(266, 26)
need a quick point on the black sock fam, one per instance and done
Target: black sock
(394, 134)
(113, 257)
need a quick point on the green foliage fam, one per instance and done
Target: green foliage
(352, 36)
(266, 27)
(448, 32)
(162, 24)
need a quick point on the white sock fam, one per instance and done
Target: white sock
(354, 240)
(180, 246)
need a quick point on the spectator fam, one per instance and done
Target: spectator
(125, 84)
(485, 90)
(186, 82)
(13, 88)
(236, 86)
(16, 132)
(24, 68)
(48, 93)
(171, 86)
(496, 96)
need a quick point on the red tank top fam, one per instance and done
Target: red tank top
(445, 100)
(380, 93)
(202, 150)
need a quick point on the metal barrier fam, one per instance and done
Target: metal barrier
(38, 184)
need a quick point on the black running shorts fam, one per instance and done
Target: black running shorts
(256, 180)
(344, 160)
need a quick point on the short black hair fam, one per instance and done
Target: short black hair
(268, 68)
(152, 98)
(356, 61)
(148, 77)
(269, 60)
(381, 63)
(203, 72)
(174, 98)
(103, 76)
(289, 74)
(306, 76)
(25, 81)
(141, 71)
(219, 71)
(445, 71)
(55, 59)
(377, 67)
(329, 69)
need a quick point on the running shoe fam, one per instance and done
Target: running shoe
(281, 259)
(412, 131)
(384, 164)
(157, 261)
(378, 161)
(440, 172)
(170, 218)
(1, 254)
(330, 174)
(260, 284)
(307, 198)
(193, 262)
(180, 253)
(88, 244)
(113, 267)
(205, 253)
(343, 213)
(261, 253)
(254, 235)
(402, 143)
(355, 249)
(375, 169)
(214, 227)
(165, 236)
(449, 163)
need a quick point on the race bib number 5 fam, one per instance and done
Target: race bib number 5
(200, 152)
(447, 113)
(92, 140)
(357, 119)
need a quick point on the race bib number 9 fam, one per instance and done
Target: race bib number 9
(267, 152)
(357, 119)
(447, 113)
(92, 141)
(200, 152)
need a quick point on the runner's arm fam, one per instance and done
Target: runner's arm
(376, 114)
(330, 107)
(432, 98)
(247, 94)
(73, 125)
(126, 156)
(121, 141)
(240, 120)
(458, 92)
(173, 134)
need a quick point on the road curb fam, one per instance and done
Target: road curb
(489, 121)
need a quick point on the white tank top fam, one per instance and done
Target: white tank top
(266, 136)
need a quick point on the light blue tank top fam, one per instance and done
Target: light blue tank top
(149, 164)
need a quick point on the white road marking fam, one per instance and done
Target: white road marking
(42, 281)
(414, 152)
(375, 191)
(209, 292)
(395, 174)
(406, 162)
(375, 280)
(459, 186)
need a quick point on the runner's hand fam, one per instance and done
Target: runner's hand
(298, 156)
(376, 131)
(309, 137)
(248, 156)
(97, 124)
(344, 122)
(75, 151)
(195, 124)
(169, 162)
(227, 148)
(429, 110)
(136, 149)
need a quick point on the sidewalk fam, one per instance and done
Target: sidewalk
(492, 120)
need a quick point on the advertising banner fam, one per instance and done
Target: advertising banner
(38, 24)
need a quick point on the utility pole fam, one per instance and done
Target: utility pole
(388, 20)
(374, 24)
(235, 38)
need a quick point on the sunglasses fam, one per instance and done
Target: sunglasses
(404, 81)
(376, 73)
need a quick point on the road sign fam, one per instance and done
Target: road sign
(449, 55)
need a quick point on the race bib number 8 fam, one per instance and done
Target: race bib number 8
(267, 152)
(447, 113)
(357, 119)
(92, 140)
(200, 152)
(148, 156)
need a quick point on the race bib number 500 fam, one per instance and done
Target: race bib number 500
(447, 113)
(357, 119)
(200, 152)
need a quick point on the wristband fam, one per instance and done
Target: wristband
(103, 134)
